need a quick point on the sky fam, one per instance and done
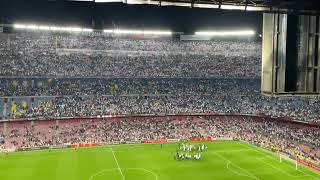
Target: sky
(117, 15)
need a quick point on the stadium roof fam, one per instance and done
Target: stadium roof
(250, 5)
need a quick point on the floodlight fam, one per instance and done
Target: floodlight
(167, 3)
(158, 32)
(54, 28)
(19, 26)
(108, 31)
(51, 28)
(213, 6)
(225, 33)
(107, 1)
(232, 7)
(119, 31)
(137, 32)
(44, 27)
(66, 28)
(148, 32)
(76, 29)
(33, 27)
(87, 30)
(250, 8)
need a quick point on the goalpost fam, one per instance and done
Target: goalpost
(295, 161)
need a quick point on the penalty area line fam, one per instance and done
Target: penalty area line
(272, 155)
(228, 161)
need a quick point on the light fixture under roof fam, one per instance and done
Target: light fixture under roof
(51, 28)
(138, 32)
(225, 33)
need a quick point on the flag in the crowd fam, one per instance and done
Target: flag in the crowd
(25, 84)
(39, 84)
(24, 105)
(13, 107)
(114, 89)
(14, 83)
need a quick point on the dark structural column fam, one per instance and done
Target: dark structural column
(290, 55)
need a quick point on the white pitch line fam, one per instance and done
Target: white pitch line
(123, 178)
(276, 168)
(235, 172)
(250, 174)
(108, 170)
(271, 154)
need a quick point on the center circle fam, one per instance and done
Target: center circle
(127, 173)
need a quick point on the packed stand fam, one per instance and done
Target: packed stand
(98, 97)
(94, 74)
(99, 55)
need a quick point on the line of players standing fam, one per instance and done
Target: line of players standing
(189, 151)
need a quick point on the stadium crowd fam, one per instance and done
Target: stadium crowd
(93, 97)
(280, 136)
(34, 54)
(96, 74)
(80, 75)
(120, 86)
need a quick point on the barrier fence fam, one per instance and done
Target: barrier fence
(313, 166)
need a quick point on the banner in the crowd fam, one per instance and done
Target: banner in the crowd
(7, 150)
(224, 139)
(33, 148)
(175, 140)
(59, 146)
(160, 140)
(309, 165)
(203, 139)
(155, 141)
(83, 145)
(118, 142)
(108, 143)
(283, 154)
(11, 149)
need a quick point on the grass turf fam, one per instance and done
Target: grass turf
(222, 160)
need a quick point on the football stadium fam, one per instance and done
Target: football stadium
(160, 90)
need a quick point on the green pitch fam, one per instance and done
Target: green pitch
(222, 160)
